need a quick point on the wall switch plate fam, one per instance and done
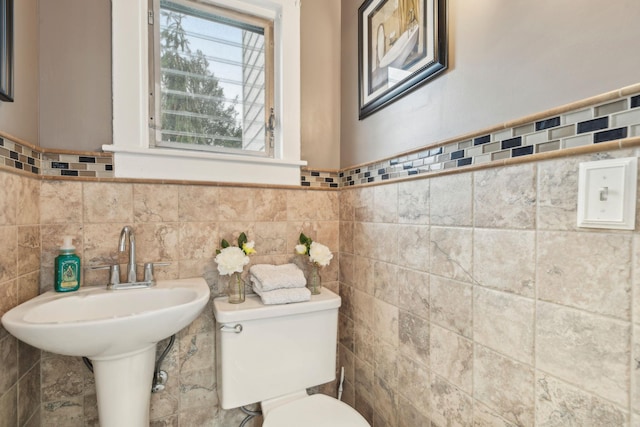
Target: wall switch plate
(607, 194)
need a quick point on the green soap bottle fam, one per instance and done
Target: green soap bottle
(67, 267)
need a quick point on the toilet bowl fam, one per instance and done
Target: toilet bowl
(272, 353)
(317, 410)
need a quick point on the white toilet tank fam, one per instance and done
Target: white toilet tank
(267, 351)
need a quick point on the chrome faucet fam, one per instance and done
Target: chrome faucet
(127, 232)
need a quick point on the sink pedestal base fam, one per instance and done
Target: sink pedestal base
(123, 388)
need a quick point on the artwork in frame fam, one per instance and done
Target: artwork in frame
(6, 50)
(401, 45)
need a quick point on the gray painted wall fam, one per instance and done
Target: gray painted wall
(508, 59)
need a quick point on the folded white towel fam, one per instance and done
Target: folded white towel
(269, 277)
(284, 296)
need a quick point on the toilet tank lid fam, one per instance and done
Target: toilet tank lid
(252, 308)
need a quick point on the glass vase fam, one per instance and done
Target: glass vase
(314, 282)
(235, 289)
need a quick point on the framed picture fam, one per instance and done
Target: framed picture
(6, 50)
(401, 45)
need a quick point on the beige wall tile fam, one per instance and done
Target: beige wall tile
(505, 197)
(450, 405)
(155, 203)
(558, 194)
(385, 279)
(198, 240)
(591, 271)
(452, 357)
(413, 246)
(451, 305)
(587, 350)
(414, 337)
(559, 404)
(61, 202)
(385, 322)
(28, 209)
(635, 369)
(101, 244)
(9, 360)
(312, 205)
(504, 385)
(9, 194)
(28, 286)
(236, 204)
(450, 200)
(386, 404)
(385, 203)
(413, 292)
(363, 204)
(385, 363)
(451, 253)
(485, 417)
(363, 308)
(107, 202)
(505, 260)
(346, 275)
(346, 237)
(409, 415)
(346, 201)
(270, 205)
(28, 395)
(363, 272)
(8, 252)
(28, 249)
(504, 322)
(8, 406)
(413, 202)
(197, 203)
(414, 384)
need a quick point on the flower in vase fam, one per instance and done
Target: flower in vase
(318, 253)
(232, 259)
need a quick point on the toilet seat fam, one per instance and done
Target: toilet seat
(317, 410)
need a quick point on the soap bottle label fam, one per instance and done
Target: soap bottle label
(69, 279)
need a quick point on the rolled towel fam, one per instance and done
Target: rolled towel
(272, 277)
(284, 296)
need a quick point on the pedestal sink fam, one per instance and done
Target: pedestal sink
(117, 330)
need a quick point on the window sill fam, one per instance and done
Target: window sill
(159, 163)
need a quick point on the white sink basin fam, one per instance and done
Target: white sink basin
(98, 323)
(118, 330)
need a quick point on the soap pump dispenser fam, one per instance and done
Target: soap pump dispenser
(67, 267)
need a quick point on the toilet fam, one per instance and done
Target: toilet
(272, 353)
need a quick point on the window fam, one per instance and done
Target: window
(214, 71)
(141, 151)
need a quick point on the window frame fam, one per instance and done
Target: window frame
(133, 156)
(155, 75)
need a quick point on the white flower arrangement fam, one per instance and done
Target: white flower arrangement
(232, 259)
(318, 253)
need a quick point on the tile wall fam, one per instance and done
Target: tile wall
(182, 225)
(19, 282)
(473, 299)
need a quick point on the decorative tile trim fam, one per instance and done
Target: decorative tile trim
(613, 119)
(319, 178)
(18, 156)
(98, 165)
(608, 117)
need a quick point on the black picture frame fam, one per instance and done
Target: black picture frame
(402, 44)
(6, 50)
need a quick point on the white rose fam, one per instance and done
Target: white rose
(231, 260)
(320, 254)
(301, 249)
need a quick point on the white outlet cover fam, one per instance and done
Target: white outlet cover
(607, 194)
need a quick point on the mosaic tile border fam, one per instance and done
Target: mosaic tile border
(590, 122)
(18, 156)
(606, 121)
(92, 166)
(319, 178)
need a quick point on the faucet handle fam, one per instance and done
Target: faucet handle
(148, 269)
(114, 272)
